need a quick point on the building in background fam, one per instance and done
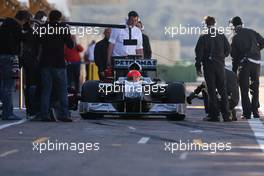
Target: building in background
(166, 52)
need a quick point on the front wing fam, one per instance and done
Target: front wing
(157, 109)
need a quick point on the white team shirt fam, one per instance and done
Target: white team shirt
(117, 38)
(90, 52)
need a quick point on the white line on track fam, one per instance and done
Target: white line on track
(143, 140)
(196, 131)
(12, 124)
(183, 156)
(131, 128)
(18, 108)
(8, 153)
(258, 130)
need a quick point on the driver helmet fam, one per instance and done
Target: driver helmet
(134, 75)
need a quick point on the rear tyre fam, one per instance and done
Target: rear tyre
(175, 117)
(91, 116)
(176, 93)
(90, 93)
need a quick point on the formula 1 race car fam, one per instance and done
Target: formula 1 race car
(131, 94)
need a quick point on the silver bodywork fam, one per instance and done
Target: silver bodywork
(108, 108)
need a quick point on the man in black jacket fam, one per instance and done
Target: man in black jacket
(11, 36)
(211, 50)
(100, 53)
(245, 51)
(232, 92)
(30, 62)
(53, 67)
(146, 44)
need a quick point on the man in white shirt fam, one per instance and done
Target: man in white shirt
(116, 40)
(89, 57)
(89, 53)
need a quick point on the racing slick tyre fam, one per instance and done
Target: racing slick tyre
(176, 94)
(91, 116)
(90, 94)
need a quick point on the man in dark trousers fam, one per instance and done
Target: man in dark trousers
(30, 62)
(73, 58)
(100, 53)
(146, 44)
(11, 37)
(232, 92)
(53, 67)
(245, 51)
(211, 50)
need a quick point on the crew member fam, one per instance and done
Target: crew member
(89, 57)
(100, 54)
(232, 92)
(11, 37)
(53, 67)
(73, 58)
(211, 50)
(117, 37)
(245, 51)
(29, 60)
(146, 44)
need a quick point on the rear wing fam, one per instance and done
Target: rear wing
(123, 63)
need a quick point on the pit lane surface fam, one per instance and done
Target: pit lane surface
(133, 147)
